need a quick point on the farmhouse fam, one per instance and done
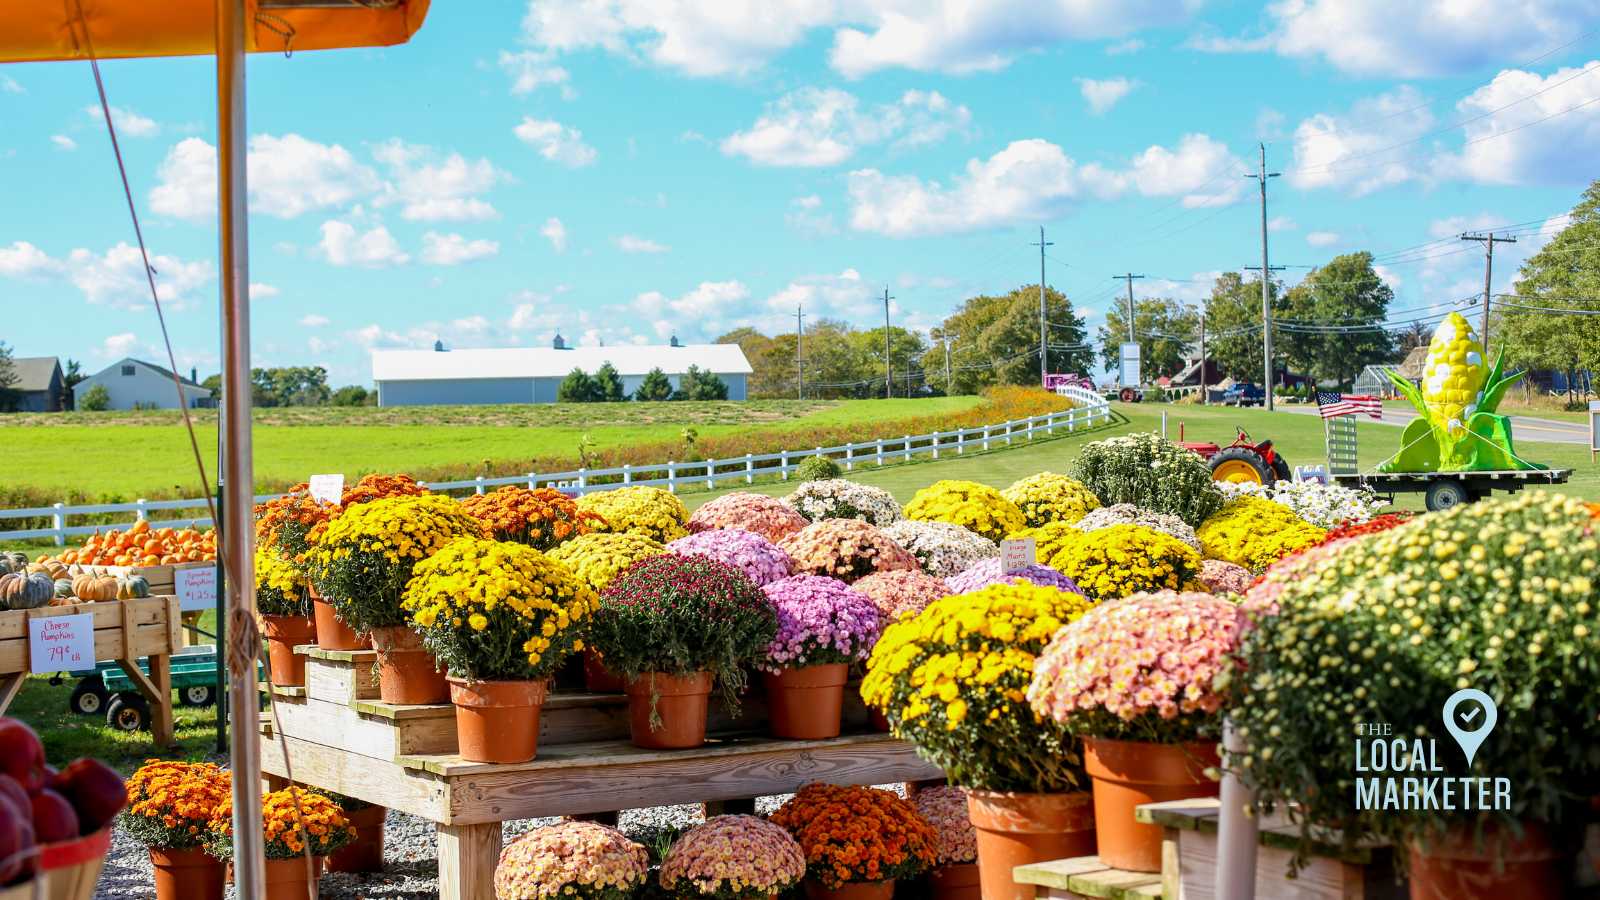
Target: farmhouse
(135, 384)
(533, 375)
(38, 386)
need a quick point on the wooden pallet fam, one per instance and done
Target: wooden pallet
(1087, 876)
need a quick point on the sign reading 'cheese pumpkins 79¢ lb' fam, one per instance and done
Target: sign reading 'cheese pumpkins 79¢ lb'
(60, 643)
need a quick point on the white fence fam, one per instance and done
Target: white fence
(707, 474)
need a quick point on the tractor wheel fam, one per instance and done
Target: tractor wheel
(197, 695)
(89, 696)
(128, 712)
(1444, 494)
(1239, 465)
(1280, 468)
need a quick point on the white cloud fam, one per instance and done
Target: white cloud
(1122, 48)
(708, 300)
(810, 201)
(824, 127)
(475, 325)
(343, 245)
(312, 320)
(1451, 226)
(128, 122)
(289, 176)
(1102, 94)
(9, 85)
(1389, 276)
(1357, 151)
(64, 142)
(844, 295)
(806, 216)
(24, 260)
(556, 233)
(117, 346)
(1322, 238)
(628, 243)
(715, 39)
(1513, 146)
(114, 278)
(262, 291)
(1420, 38)
(433, 189)
(531, 70)
(556, 142)
(1201, 170)
(453, 249)
(1281, 223)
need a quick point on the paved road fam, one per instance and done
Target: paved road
(1523, 428)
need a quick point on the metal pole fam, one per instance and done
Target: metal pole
(1202, 356)
(799, 347)
(1044, 361)
(888, 366)
(1488, 278)
(1131, 337)
(947, 365)
(236, 530)
(1237, 828)
(1266, 278)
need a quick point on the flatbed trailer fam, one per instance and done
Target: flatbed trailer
(1446, 489)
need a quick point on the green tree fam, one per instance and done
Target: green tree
(1165, 329)
(772, 367)
(699, 384)
(351, 395)
(289, 386)
(608, 384)
(997, 340)
(577, 387)
(96, 399)
(1341, 298)
(8, 378)
(906, 349)
(1563, 275)
(654, 388)
(71, 377)
(1233, 326)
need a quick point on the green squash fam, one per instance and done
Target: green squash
(64, 589)
(132, 587)
(26, 591)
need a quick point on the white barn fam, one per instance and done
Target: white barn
(532, 375)
(133, 383)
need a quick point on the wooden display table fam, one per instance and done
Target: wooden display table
(403, 757)
(124, 630)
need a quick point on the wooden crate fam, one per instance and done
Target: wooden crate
(161, 578)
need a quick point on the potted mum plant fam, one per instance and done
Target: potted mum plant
(503, 618)
(1500, 596)
(285, 526)
(597, 559)
(1255, 533)
(583, 860)
(1118, 561)
(363, 560)
(837, 498)
(672, 625)
(976, 507)
(541, 518)
(302, 827)
(846, 549)
(901, 593)
(1140, 679)
(757, 513)
(857, 841)
(955, 873)
(1150, 472)
(285, 611)
(732, 858)
(170, 808)
(1046, 497)
(1026, 788)
(758, 558)
(823, 628)
(642, 509)
(943, 549)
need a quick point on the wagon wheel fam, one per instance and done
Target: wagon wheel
(1240, 465)
(1444, 494)
(197, 695)
(128, 712)
(89, 696)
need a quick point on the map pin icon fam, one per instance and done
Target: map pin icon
(1471, 728)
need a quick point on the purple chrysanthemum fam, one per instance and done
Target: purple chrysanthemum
(981, 575)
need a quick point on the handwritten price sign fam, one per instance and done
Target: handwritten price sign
(196, 587)
(1017, 554)
(61, 643)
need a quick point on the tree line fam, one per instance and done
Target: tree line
(605, 386)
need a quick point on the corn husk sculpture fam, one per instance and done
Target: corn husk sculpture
(1458, 430)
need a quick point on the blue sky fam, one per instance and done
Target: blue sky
(624, 170)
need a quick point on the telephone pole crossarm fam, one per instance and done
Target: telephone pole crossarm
(1488, 241)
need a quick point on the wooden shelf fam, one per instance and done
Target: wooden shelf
(1087, 876)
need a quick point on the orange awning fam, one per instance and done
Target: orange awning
(38, 30)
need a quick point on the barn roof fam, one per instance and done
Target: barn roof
(34, 373)
(547, 362)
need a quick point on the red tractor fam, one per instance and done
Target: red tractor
(1242, 460)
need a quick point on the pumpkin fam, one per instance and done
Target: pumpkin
(18, 591)
(64, 589)
(6, 568)
(132, 587)
(95, 587)
(50, 567)
(15, 559)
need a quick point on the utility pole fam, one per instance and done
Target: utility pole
(1202, 355)
(1488, 241)
(888, 366)
(947, 381)
(1044, 365)
(799, 347)
(1266, 275)
(1129, 278)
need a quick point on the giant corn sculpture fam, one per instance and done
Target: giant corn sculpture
(1458, 430)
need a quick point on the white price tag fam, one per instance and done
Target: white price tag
(328, 488)
(1017, 554)
(61, 643)
(196, 588)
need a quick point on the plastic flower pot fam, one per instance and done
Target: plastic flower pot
(283, 634)
(364, 853)
(286, 878)
(191, 874)
(1128, 774)
(597, 679)
(956, 881)
(332, 632)
(1455, 867)
(497, 721)
(806, 704)
(1017, 829)
(678, 704)
(407, 674)
(854, 890)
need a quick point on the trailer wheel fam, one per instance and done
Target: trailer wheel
(1444, 494)
(89, 696)
(128, 712)
(1238, 465)
(197, 695)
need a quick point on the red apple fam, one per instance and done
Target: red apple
(16, 843)
(21, 755)
(11, 790)
(53, 818)
(95, 791)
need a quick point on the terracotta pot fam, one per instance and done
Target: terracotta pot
(1455, 867)
(497, 721)
(1128, 774)
(1020, 829)
(283, 634)
(855, 890)
(286, 878)
(806, 704)
(597, 679)
(187, 874)
(365, 852)
(880, 722)
(407, 674)
(956, 881)
(332, 632)
(679, 705)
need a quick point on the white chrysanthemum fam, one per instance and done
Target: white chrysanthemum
(942, 548)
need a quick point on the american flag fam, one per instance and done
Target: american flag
(1333, 403)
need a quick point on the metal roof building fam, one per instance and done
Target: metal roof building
(532, 375)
